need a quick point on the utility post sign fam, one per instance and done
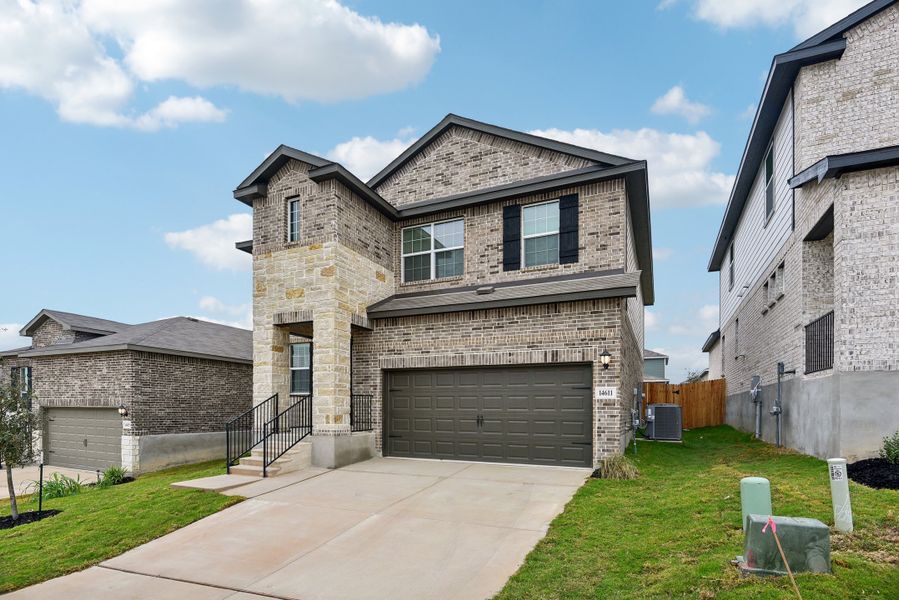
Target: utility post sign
(605, 393)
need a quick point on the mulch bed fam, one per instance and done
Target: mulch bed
(875, 473)
(25, 518)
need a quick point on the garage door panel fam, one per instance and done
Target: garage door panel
(83, 438)
(531, 414)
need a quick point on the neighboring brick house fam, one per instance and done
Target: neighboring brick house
(654, 365)
(809, 244)
(464, 297)
(179, 381)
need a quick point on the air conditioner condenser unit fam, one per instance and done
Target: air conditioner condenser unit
(663, 422)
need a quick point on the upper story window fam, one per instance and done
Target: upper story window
(293, 221)
(301, 368)
(540, 233)
(730, 267)
(769, 183)
(434, 251)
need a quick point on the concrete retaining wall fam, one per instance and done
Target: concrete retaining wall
(170, 449)
(843, 414)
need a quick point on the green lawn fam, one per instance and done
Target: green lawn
(672, 532)
(101, 523)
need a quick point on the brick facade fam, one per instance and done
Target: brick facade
(349, 257)
(839, 106)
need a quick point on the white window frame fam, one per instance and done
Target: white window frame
(433, 251)
(292, 368)
(731, 270)
(769, 182)
(293, 235)
(524, 256)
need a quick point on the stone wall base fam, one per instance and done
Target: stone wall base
(335, 451)
(843, 414)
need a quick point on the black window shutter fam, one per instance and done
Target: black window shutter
(511, 238)
(568, 236)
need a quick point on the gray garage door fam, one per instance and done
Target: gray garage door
(537, 414)
(84, 438)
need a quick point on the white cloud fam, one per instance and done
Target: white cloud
(235, 315)
(680, 172)
(365, 156)
(675, 102)
(68, 53)
(662, 253)
(213, 244)
(10, 338)
(748, 113)
(650, 320)
(297, 49)
(701, 324)
(173, 111)
(806, 17)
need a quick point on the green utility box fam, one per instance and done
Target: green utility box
(755, 497)
(806, 544)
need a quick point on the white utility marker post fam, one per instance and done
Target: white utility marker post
(839, 493)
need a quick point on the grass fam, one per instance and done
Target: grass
(672, 532)
(98, 524)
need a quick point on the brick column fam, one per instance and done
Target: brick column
(331, 371)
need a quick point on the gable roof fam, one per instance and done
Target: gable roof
(73, 322)
(711, 340)
(184, 336)
(451, 120)
(829, 44)
(608, 166)
(647, 353)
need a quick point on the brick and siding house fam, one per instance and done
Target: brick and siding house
(178, 380)
(458, 304)
(809, 244)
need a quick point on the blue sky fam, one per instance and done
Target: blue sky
(125, 126)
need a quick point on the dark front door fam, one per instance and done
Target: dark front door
(535, 414)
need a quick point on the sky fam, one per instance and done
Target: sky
(124, 127)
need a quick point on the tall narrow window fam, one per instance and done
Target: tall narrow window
(769, 183)
(737, 338)
(730, 267)
(434, 251)
(293, 221)
(301, 368)
(540, 233)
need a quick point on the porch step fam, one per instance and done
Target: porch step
(298, 457)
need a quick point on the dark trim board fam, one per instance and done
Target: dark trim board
(835, 165)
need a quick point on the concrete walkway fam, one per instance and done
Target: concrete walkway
(384, 528)
(23, 477)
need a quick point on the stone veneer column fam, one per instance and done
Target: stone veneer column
(271, 364)
(331, 371)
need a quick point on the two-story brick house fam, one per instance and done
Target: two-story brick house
(460, 304)
(808, 247)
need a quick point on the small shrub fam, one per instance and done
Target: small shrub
(890, 450)
(60, 486)
(616, 467)
(112, 476)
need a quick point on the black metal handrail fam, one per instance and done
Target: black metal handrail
(819, 344)
(283, 431)
(361, 412)
(244, 432)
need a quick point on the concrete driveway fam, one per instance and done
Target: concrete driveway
(23, 477)
(384, 528)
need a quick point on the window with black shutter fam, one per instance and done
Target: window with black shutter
(568, 225)
(511, 238)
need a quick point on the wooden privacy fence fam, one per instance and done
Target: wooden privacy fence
(702, 402)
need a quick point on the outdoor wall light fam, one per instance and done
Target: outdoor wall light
(605, 358)
(123, 412)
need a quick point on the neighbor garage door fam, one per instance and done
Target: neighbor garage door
(536, 414)
(84, 438)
